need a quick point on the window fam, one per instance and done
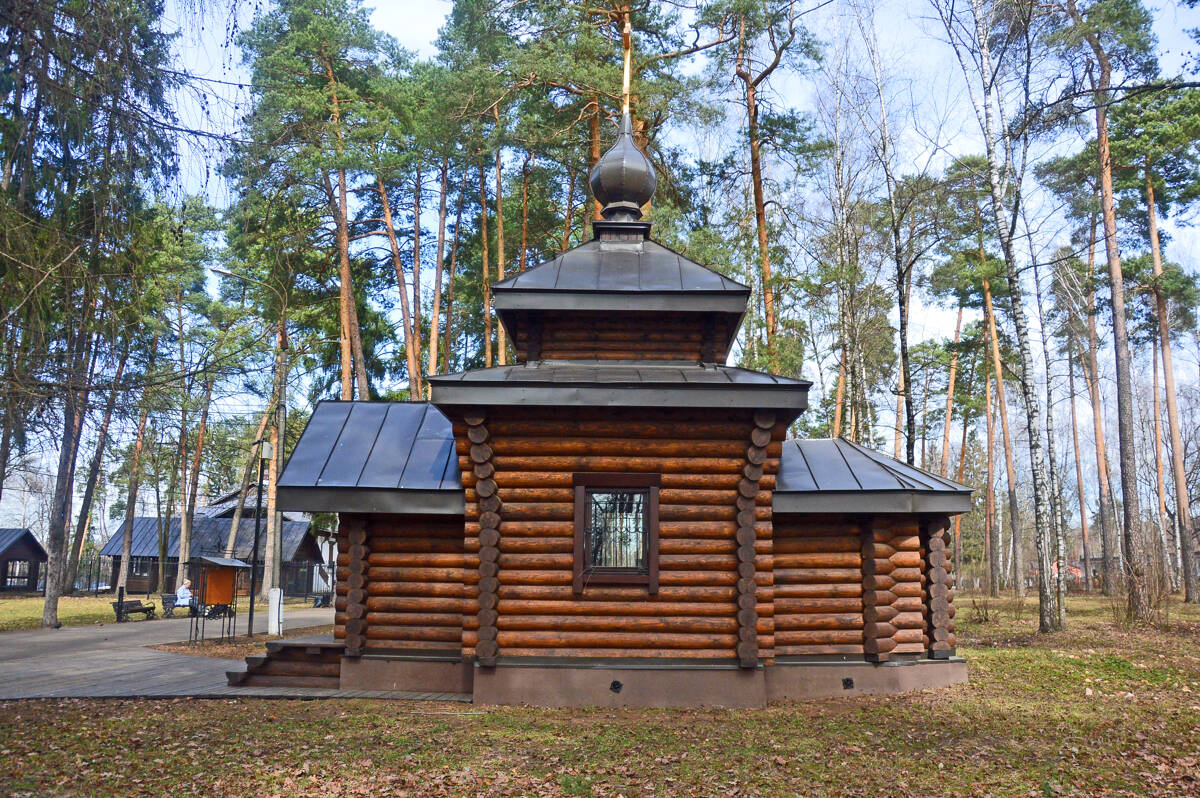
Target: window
(18, 574)
(616, 530)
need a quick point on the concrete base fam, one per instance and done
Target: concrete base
(561, 685)
(407, 674)
(649, 684)
(806, 680)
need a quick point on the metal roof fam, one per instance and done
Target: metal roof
(208, 538)
(221, 562)
(835, 475)
(623, 276)
(9, 537)
(618, 383)
(374, 457)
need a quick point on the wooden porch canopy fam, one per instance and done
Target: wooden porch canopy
(399, 457)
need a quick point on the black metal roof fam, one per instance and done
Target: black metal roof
(208, 538)
(373, 457)
(618, 383)
(620, 276)
(834, 475)
(12, 537)
(815, 476)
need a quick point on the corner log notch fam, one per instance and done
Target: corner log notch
(877, 598)
(487, 516)
(355, 529)
(747, 538)
(940, 588)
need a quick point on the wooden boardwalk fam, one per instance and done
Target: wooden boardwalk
(114, 661)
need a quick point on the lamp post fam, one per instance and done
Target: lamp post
(265, 453)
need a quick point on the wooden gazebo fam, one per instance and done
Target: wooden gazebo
(619, 518)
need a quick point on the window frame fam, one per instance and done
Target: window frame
(581, 576)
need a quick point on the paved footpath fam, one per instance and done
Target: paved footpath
(114, 660)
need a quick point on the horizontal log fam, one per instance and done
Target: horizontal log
(418, 560)
(906, 559)
(415, 619)
(907, 590)
(410, 546)
(662, 465)
(808, 637)
(533, 529)
(415, 604)
(666, 594)
(598, 652)
(816, 650)
(512, 446)
(691, 530)
(515, 480)
(848, 559)
(683, 546)
(413, 646)
(784, 590)
(556, 639)
(909, 620)
(815, 544)
(787, 623)
(618, 429)
(514, 607)
(785, 606)
(907, 575)
(435, 589)
(523, 560)
(908, 603)
(417, 530)
(908, 636)
(520, 545)
(385, 573)
(817, 575)
(909, 648)
(621, 624)
(414, 634)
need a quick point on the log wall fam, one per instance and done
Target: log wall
(818, 586)
(584, 335)
(412, 581)
(704, 459)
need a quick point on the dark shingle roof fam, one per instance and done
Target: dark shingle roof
(373, 457)
(11, 537)
(208, 538)
(835, 475)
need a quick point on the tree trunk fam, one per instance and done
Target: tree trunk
(193, 484)
(501, 334)
(841, 391)
(486, 270)
(1083, 512)
(950, 395)
(525, 168)
(411, 356)
(1054, 567)
(449, 336)
(993, 558)
(1014, 510)
(435, 313)
(89, 492)
(899, 431)
(566, 233)
(1092, 377)
(1183, 515)
(354, 370)
(418, 190)
(135, 473)
(594, 137)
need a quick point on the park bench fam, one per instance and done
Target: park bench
(123, 609)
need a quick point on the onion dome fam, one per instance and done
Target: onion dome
(623, 179)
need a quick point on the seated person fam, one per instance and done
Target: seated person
(184, 597)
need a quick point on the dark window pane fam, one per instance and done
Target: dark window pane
(616, 531)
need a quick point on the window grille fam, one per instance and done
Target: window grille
(616, 534)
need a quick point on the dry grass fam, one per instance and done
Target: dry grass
(1094, 710)
(25, 612)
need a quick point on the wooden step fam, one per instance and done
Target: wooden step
(277, 667)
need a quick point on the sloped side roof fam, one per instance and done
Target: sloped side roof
(208, 538)
(377, 457)
(11, 538)
(836, 475)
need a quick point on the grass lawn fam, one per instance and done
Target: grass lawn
(1095, 710)
(26, 612)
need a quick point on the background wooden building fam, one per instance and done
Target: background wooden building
(21, 558)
